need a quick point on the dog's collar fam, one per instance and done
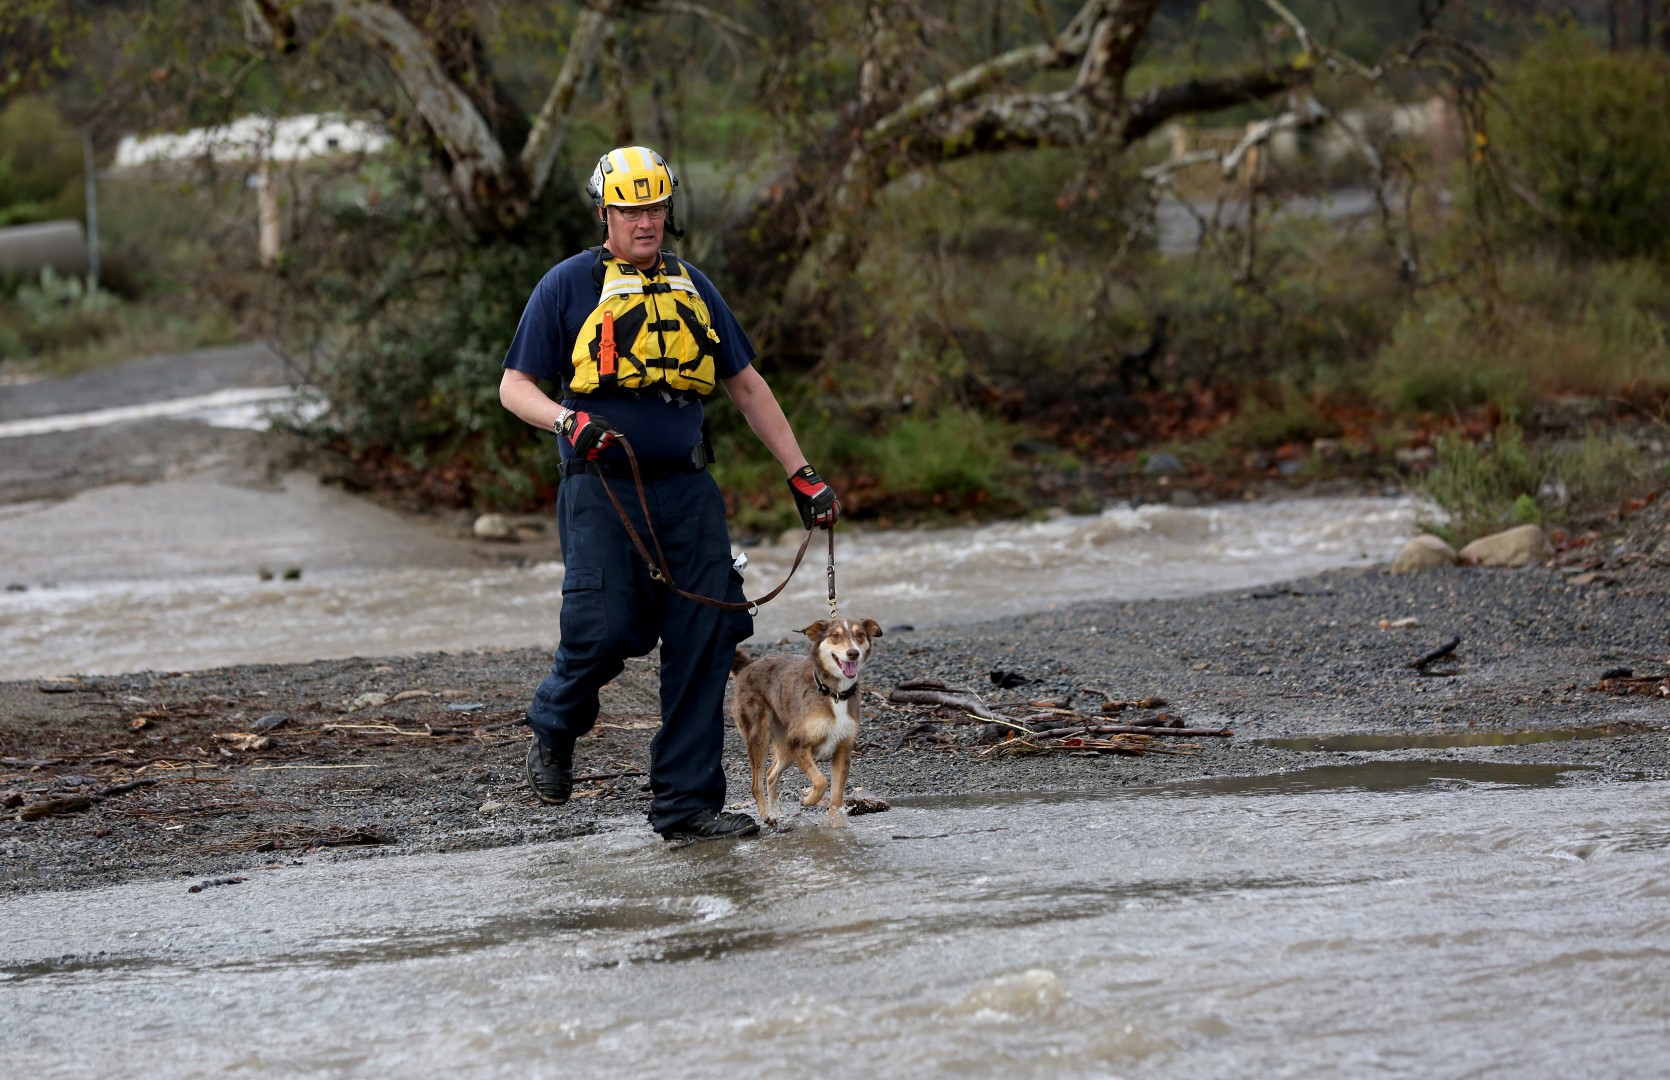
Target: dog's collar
(827, 692)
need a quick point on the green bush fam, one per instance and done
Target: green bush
(1587, 135)
(40, 164)
(415, 382)
(1437, 361)
(1479, 486)
(1484, 487)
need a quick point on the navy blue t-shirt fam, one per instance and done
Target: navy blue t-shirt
(544, 346)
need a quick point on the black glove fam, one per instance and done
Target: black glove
(589, 433)
(814, 499)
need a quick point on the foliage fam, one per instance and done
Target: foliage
(939, 462)
(1489, 485)
(54, 326)
(36, 38)
(1553, 328)
(413, 377)
(1479, 484)
(952, 457)
(40, 164)
(1585, 137)
(1276, 413)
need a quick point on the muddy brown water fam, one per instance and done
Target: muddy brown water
(1432, 919)
(189, 574)
(1369, 915)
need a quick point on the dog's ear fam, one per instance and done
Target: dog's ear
(818, 630)
(872, 628)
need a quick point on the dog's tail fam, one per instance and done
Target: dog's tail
(740, 661)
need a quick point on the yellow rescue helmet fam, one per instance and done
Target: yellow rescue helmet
(631, 176)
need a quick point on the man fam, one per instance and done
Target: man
(636, 338)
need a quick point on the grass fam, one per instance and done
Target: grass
(953, 463)
(1487, 486)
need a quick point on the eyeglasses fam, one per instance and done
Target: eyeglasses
(633, 213)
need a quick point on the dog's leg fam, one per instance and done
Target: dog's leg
(838, 785)
(754, 726)
(809, 765)
(779, 762)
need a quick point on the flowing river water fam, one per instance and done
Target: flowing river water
(1373, 918)
(191, 573)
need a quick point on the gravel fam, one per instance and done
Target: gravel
(437, 766)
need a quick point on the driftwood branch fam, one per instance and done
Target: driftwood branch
(966, 702)
(74, 804)
(1436, 654)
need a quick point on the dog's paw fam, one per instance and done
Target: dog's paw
(836, 818)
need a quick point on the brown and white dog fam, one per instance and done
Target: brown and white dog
(805, 708)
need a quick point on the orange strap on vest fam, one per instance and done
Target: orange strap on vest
(606, 347)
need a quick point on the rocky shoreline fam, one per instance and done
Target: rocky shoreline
(206, 774)
(201, 775)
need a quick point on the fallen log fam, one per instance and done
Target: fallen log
(902, 696)
(75, 804)
(923, 684)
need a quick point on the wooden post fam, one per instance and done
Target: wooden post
(270, 238)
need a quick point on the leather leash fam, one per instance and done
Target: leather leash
(657, 564)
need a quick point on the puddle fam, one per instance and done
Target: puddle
(1347, 743)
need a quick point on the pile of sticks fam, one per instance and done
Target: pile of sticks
(1055, 726)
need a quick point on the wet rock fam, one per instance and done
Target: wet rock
(1162, 464)
(495, 527)
(1513, 547)
(1423, 553)
(369, 700)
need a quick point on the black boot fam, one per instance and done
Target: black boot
(550, 771)
(711, 825)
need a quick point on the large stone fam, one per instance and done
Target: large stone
(1513, 547)
(494, 527)
(1163, 464)
(1423, 553)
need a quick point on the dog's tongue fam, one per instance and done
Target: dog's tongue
(849, 668)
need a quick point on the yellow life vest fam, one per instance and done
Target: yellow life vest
(651, 330)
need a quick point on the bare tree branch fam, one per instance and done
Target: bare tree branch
(1160, 105)
(480, 170)
(550, 127)
(717, 19)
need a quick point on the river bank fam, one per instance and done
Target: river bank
(208, 774)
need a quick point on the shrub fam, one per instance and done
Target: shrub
(40, 164)
(1586, 134)
(1483, 487)
(1438, 361)
(1480, 485)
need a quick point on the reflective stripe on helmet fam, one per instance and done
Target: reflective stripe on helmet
(631, 176)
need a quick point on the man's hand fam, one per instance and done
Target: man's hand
(589, 433)
(814, 499)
